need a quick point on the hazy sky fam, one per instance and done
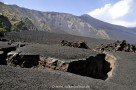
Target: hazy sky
(120, 12)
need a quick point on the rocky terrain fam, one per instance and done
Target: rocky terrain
(25, 55)
(52, 64)
(118, 46)
(60, 51)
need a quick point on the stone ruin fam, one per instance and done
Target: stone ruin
(117, 46)
(75, 44)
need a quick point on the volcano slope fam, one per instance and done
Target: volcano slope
(52, 38)
(83, 64)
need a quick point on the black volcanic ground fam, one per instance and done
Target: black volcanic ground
(48, 45)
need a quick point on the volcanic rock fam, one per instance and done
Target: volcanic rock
(76, 44)
(53, 64)
(99, 67)
(22, 60)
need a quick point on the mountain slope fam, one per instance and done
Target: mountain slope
(52, 21)
(114, 31)
(5, 25)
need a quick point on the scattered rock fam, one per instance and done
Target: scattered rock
(117, 46)
(76, 44)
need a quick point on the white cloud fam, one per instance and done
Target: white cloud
(120, 9)
(100, 11)
(113, 13)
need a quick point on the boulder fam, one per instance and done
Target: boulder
(123, 46)
(3, 53)
(76, 44)
(65, 43)
(117, 46)
(22, 60)
(134, 48)
(53, 64)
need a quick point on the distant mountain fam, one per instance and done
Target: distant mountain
(64, 23)
(114, 31)
(52, 21)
